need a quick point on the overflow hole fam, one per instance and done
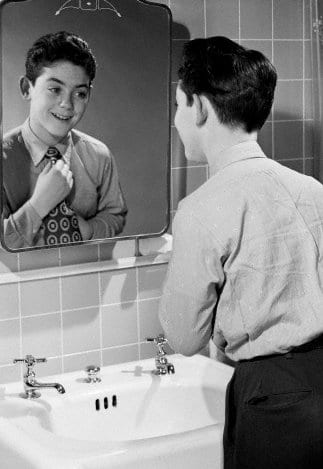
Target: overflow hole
(114, 400)
(97, 404)
(105, 401)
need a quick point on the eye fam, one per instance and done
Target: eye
(81, 94)
(54, 90)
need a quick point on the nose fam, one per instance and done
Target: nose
(67, 101)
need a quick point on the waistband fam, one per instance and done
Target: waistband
(316, 343)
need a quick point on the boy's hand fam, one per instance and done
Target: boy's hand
(85, 228)
(53, 184)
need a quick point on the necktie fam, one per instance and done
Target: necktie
(60, 224)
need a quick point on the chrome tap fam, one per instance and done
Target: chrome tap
(163, 367)
(30, 383)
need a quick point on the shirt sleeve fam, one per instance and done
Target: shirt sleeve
(21, 229)
(111, 214)
(194, 277)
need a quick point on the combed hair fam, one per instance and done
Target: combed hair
(239, 82)
(59, 46)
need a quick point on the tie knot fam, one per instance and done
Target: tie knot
(53, 154)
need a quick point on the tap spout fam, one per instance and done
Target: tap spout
(37, 385)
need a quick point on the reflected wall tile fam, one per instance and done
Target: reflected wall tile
(80, 291)
(309, 166)
(113, 356)
(308, 59)
(288, 140)
(263, 46)
(308, 97)
(289, 100)
(41, 335)
(81, 330)
(39, 259)
(288, 59)
(148, 319)
(265, 139)
(9, 305)
(288, 19)
(296, 165)
(80, 361)
(185, 181)
(8, 261)
(188, 18)
(256, 19)
(310, 140)
(151, 280)
(9, 341)
(79, 254)
(119, 324)
(10, 373)
(222, 18)
(118, 286)
(40, 296)
(307, 19)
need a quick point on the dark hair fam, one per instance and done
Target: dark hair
(59, 46)
(239, 82)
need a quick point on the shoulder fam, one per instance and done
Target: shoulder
(12, 139)
(87, 142)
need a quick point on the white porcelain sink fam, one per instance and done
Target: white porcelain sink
(131, 419)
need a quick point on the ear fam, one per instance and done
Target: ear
(201, 109)
(25, 85)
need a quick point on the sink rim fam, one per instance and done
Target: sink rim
(52, 444)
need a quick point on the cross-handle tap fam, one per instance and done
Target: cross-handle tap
(163, 367)
(30, 382)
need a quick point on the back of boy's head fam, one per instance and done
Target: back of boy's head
(239, 82)
(58, 46)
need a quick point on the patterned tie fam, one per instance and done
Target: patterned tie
(61, 224)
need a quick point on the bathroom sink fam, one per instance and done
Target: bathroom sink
(131, 419)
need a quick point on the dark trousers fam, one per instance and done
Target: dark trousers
(274, 411)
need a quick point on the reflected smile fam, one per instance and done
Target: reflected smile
(61, 117)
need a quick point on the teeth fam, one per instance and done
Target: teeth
(63, 118)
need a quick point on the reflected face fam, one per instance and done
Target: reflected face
(58, 100)
(185, 123)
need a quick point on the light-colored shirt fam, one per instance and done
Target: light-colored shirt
(246, 268)
(96, 194)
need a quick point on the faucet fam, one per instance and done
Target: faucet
(163, 367)
(31, 385)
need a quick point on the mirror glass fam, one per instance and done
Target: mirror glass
(113, 177)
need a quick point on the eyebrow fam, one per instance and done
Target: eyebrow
(57, 80)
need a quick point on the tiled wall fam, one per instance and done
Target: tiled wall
(104, 317)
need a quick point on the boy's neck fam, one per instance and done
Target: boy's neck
(51, 140)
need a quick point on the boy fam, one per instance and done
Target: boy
(246, 268)
(46, 162)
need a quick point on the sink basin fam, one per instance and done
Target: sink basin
(131, 419)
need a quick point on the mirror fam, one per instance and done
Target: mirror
(126, 115)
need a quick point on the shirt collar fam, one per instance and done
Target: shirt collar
(37, 148)
(239, 152)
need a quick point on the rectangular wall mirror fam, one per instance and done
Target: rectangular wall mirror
(117, 153)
